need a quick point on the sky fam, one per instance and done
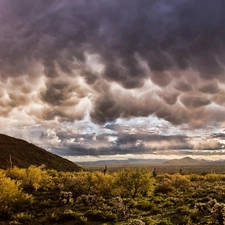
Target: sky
(119, 79)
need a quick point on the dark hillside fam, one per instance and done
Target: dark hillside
(24, 154)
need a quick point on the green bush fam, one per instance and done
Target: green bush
(150, 221)
(214, 177)
(135, 182)
(184, 210)
(165, 222)
(14, 223)
(136, 222)
(103, 216)
(46, 203)
(164, 187)
(32, 178)
(179, 181)
(196, 177)
(67, 215)
(145, 204)
(22, 217)
(12, 196)
(53, 217)
(186, 220)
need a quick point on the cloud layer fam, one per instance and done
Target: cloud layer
(61, 60)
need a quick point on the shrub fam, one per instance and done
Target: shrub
(53, 217)
(46, 203)
(149, 221)
(215, 209)
(32, 178)
(101, 184)
(2, 173)
(22, 217)
(14, 223)
(184, 210)
(98, 215)
(90, 200)
(74, 182)
(165, 222)
(186, 220)
(87, 183)
(164, 187)
(213, 177)
(131, 203)
(134, 182)
(145, 204)
(136, 222)
(67, 215)
(12, 196)
(117, 205)
(196, 177)
(179, 181)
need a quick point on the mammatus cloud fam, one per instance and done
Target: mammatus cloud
(62, 60)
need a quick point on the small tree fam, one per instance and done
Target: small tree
(101, 184)
(135, 182)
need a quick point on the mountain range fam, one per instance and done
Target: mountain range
(185, 161)
(188, 161)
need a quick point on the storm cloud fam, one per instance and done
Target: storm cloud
(63, 60)
(137, 143)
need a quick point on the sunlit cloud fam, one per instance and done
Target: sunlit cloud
(113, 77)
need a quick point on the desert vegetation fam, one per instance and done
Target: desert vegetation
(130, 196)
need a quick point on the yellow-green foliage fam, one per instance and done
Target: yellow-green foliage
(2, 173)
(128, 195)
(86, 183)
(101, 184)
(135, 182)
(214, 177)
(179, 181)
(37, 177)
(34, 177)
(16, 173)
(22, 217)
(74, 182)
(11, 194)
(164, 184)
(195, 177)
(52, 172)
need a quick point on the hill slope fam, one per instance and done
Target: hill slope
(24, 154)
(183, 161)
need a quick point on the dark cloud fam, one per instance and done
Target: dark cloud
(183, 86)
(169, 98)
(141, 143)
(219, 135)
(194, 101)
(210, 88)
(219, 98)
(161, 78)
(83, 49)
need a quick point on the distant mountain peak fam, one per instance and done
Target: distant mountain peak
(183, 161)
